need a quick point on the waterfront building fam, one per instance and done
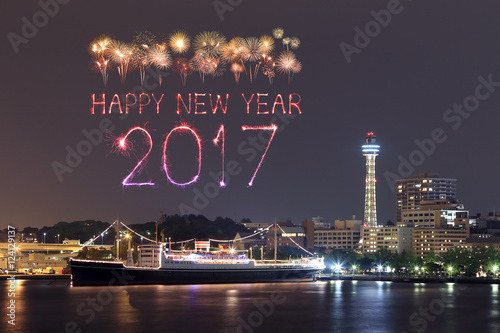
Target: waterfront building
(411, 192)
(396, 239)
(438, 239)
(436, 214)
(333, 239)
(287, 237)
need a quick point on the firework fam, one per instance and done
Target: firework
(99, 49)
(252, 52)
(267, 44)
(287, 64)
(269, 72)
(179, 42)
(183, 67)
(286, 41)
(237, 69)
(269, 68)
(278, 33)
(159, 57)
(211, 55)
(209, 43)
(294, 43)
(206, 65)
(233, 51)
(122, 56)
(142, 42)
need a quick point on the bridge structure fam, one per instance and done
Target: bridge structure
(48, 247)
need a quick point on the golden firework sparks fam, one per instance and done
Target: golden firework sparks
(179, 42)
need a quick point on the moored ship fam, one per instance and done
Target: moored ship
(159, 264)
(191, 268)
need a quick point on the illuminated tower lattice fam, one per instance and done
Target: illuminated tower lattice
(370, 151)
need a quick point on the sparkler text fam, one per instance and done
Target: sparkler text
(196, 103)
(125, 145)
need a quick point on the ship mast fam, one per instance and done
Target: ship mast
(117, 238)
(275, 240)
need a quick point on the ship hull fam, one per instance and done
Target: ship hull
(88, 273)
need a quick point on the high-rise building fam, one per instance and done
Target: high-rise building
(423, 187)
(370, 151)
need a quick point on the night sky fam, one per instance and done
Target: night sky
(399, 84)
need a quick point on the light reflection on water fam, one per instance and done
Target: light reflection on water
(334, 306)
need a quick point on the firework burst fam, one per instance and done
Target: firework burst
(122, 56)
(288, 64)
(286, 42)
(233, 51)
(99, 50)
(179, 42)
(278, 33)
(184, 68)
(206, 65)
(294, 43)
(143, 41)
(159, 57)
(252, 52)
(237, 69)
(209, 43)
(267, 43)
(268, 68)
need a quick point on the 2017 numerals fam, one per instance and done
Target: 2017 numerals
(125, 146)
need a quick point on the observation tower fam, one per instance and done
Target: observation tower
(370, 151)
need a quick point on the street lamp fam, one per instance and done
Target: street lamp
(102, 239)
(353, 269)
(338, 268)
(450, 269)
(58, 238)
(44, 237)
(495, 269)
(380, 267)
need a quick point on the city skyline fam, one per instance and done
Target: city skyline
(430, 94)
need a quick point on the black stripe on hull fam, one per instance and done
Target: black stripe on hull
(115, 274)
